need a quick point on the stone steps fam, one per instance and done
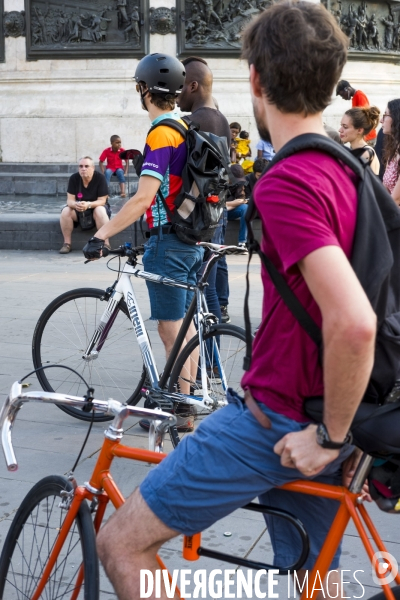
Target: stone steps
(38, 231)
(45, 179)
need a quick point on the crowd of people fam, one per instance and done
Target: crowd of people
(307, 204)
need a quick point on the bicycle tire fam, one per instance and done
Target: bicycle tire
(31, 538)
(118, 372)
(381, 595)
(232, 347)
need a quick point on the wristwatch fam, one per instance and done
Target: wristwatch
(325, 441)
(89, 205)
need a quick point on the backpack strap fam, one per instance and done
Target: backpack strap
(306, 141)
(173, 124)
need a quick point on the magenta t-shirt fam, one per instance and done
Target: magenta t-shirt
(305, 202)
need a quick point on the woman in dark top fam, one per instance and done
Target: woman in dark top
(356, 124)
(87, 190)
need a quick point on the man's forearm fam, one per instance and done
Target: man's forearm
(348, 361)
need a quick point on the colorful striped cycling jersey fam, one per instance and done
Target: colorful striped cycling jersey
(164, 158)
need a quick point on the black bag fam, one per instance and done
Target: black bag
(86, 219)
(375, 260)
(199, 205)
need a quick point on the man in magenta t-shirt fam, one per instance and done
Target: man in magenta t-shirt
(308, 206)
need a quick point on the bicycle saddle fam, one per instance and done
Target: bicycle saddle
(375, 428)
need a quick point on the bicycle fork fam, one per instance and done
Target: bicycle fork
(106, 322)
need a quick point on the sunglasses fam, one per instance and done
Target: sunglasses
(85, 166)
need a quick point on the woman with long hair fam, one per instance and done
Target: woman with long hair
(355, 125)
(391, 148)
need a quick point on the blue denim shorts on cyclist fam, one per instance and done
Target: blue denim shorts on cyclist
(227, 463)
(169, 257)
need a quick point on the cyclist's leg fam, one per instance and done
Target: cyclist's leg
(197, 484)
(123, 555)
(171, 258)
(211, 289)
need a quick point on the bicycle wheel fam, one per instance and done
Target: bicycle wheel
(32, 536)
(225, 349)
(61, 337)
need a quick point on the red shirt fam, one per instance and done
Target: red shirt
(360, 99)
(305, 202)
(113, 160)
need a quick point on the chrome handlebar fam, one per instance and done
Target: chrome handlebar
(160, 421)
(220, 249)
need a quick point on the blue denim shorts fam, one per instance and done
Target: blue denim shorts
(170, 257)
(227, 463)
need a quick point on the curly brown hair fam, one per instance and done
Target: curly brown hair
(366, 117)
(391, 145)
(161, 102)
(298, 51)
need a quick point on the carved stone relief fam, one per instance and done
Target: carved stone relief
(163, 20)
(14, 23)
(86, 28)
(2, 54)
(373, 28)
(214, 27)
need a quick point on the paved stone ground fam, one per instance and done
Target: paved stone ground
(47, 440)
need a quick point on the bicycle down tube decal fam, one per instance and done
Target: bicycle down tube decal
(142, 338)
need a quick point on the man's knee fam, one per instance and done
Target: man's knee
(68, 213)
(133, 529)
(100, 213)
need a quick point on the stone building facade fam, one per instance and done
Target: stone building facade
(58, 109)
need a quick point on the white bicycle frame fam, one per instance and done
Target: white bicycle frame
(124, 289)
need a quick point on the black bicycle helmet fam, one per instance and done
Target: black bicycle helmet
(163, 74)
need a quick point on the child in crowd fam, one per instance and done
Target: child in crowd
(114, 163)
(243, 144)
(235, 128)
(243, 151)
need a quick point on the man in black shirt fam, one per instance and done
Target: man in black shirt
(87, 191)
(196, 97)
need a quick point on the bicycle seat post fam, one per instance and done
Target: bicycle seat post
(361, 474)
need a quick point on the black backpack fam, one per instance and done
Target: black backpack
(199, 205)
(375, 259)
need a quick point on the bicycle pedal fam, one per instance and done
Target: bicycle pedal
(157, 399)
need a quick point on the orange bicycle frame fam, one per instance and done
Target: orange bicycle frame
(103, 487)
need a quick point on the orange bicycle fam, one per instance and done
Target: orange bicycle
(50, 549)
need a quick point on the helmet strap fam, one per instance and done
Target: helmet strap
(142, 97)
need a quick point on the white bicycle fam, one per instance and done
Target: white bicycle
(90, 330)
